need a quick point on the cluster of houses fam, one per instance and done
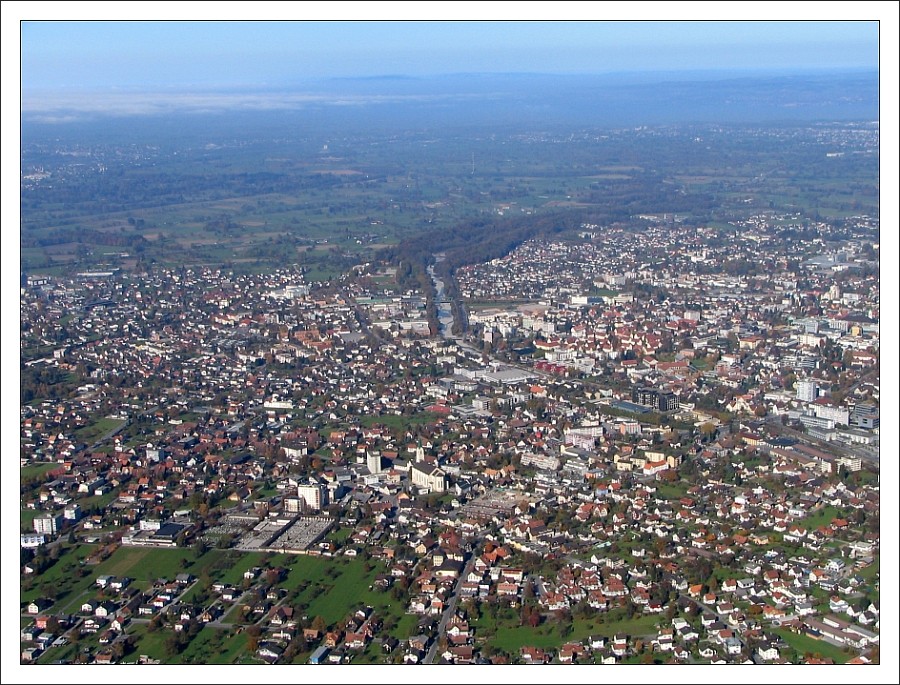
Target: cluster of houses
(277, 399)
(770, 341)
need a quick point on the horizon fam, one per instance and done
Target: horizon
(216, 54)
(745, 95)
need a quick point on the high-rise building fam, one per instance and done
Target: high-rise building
(314, 496)
(47, 525)
(807, 390)
(658, 399)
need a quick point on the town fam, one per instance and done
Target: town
(655, 441)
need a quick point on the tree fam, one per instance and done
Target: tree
(201, 547)
(175, 643)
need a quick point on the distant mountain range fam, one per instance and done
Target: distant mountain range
(503, 99)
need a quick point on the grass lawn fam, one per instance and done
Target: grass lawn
(71, 650)
(344, 591)
(406, 627)
(635, 627)
(101, 501)
(145, 564)
(820, 518)
(100, 427)
(34, 470)
(207, 645)
(804, 643)
(27, 517)
(397, 424)
(338, 536)
(210, 562)
(191, 595)
(303, 569)
(331, 587)
(872, 570)
(232, 614)
(61, 579)
(65, 653)
(235, 574)
(670, 491)
(80, 593)
(151, 644)
(512, 639)
(373, 654)
(229, 649)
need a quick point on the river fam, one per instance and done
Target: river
(444, 310)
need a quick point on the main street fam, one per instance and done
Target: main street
(450, 608)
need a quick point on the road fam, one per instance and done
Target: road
(450, 608)
(707, 610)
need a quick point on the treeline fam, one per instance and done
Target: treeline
(61, 236)
(481, 239)
(413, 275)
(471, 242)
(43, 383)
(649, 192)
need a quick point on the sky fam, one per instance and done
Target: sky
(172, 54)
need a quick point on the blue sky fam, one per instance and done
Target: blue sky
(104, 54)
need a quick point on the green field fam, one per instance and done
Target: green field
(872, 570)
(372, 654)
(98, 428)
(62, 579)
(397, 424)
(547, 636)
(68, 652)
(820, 518)
(37, 470)
(338, 537)
(301, 569)
(145, 564)
(803, 644)
(405, 626)
(512, 639)
(235, 573)
(99, 501)
(671, 491)
(229, 648)
(27, 517)
(212, 646)
(333, 598)
(151, 644)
